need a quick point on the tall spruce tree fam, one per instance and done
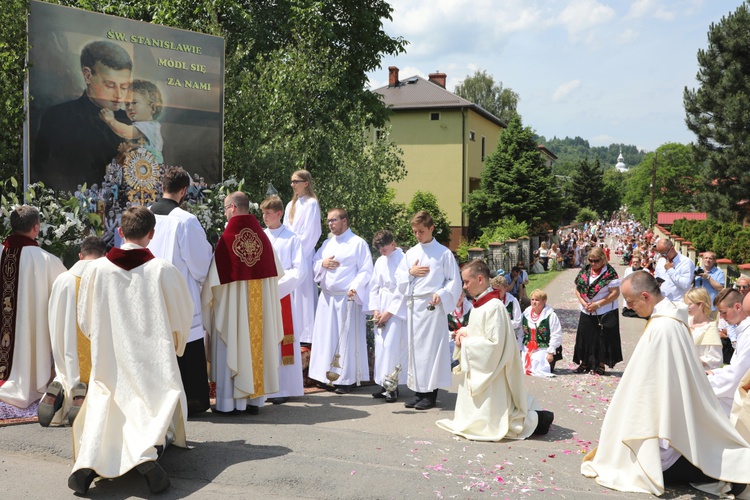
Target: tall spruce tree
(718, 112)
(515, 182)
(585, 185)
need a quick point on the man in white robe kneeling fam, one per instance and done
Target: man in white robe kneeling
(492, 402)
(136, 311)
(665, 425)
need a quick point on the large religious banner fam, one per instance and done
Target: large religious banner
(112, 101)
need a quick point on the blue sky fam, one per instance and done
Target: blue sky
(608, 71)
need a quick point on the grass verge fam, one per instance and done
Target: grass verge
(540, 280)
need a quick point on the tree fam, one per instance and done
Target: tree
(586, 184)
(718, 112)
(677, 182)
(481, 89)
(515, 182)
(12, 76)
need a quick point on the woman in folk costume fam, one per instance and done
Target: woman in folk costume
(704, 329)
(302, 216)
(500, 284)
(542, 337)
(598, 335)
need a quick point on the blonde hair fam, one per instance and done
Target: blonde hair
(538, 294)
(306, 177)
(498, 282)
(598, 253)
(698, 296)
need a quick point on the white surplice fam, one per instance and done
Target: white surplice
(226, 316)
(306, 225)
(137, 321)
(340, 322)
(516, 319)
(726, 379)
(664, 396)
(390, 340)
(492, 403)
(32, 353)
(708, 345)
(429, 365)
(288, 248)
(63, 330)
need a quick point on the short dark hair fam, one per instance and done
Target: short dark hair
(272, 202)
(24, 218)
(477, 267)
(382, 238)
(152, 92)
(729, 296)
(422, 217)
(137, 222)
(175, 178)
(93, 246)
(109, 54)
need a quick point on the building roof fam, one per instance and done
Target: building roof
(417, 93)
(669, 217)
(546, 151)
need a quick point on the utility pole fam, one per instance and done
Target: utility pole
(653, 186)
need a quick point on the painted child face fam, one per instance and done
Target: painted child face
(139, 109)
(423, 233)
(271, 218)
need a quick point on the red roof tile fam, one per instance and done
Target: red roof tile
(668, 218)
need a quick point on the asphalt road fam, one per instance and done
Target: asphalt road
(352, 446)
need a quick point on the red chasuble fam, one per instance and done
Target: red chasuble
(494, 294)
(129, 259)
(9, 271)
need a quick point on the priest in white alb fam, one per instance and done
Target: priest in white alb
(343, 267)
(242, 311)
(135, 309)
(26, 276)
(492, 402)
(71, 350)
(664, 425)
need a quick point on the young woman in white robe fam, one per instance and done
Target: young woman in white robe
(705, 332)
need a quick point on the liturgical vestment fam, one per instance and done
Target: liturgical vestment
(136, 310)
(28, 273)
(492, 402)
(242, 314)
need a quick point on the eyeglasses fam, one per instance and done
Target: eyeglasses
(296, 181)
(227, 207)
(331, 221)
(594, 261)
(743, 287)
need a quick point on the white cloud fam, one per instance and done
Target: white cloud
(583, 15)
(627, 36)
(566, 88)
(650, 8)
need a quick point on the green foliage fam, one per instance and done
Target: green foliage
(424, 200)
(586, 214)
(718, 113)
(12, 76)
(481, 89)
(570, 151)
(677, 182)
(728, 240)
(585, 184)
(501, 231)
(515, 183)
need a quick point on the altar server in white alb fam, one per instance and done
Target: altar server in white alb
(288, 248)
(242, 311)
(26, 276)
(71, 350)
(302, 216)
(389, 315)
(135, 309)
(664, 425)
(343, 266)
(430, 280)
(180, 239)
(492, 401)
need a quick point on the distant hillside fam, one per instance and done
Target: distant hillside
(570, 151)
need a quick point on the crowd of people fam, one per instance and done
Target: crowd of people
(128, 374)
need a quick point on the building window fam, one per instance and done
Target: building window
(483, 138)
(434, 116)
(379, 134)
(472, 135)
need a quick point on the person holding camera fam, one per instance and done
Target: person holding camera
(709, 276)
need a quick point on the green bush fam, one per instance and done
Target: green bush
(502, 230)
(586, 214)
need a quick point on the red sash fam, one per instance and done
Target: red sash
(244, 252)
(9, 271)
(287, 345)
(129, 259)
(531, 347)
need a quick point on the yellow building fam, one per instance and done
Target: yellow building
(445, 139)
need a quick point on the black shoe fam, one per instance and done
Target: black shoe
(344, 389)
(277, 401)
(412, 402)
(81, 479)
(391, 397)
(379, 394)
(427, 402)
(545, 422)
(155, 476)
(252, 410)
